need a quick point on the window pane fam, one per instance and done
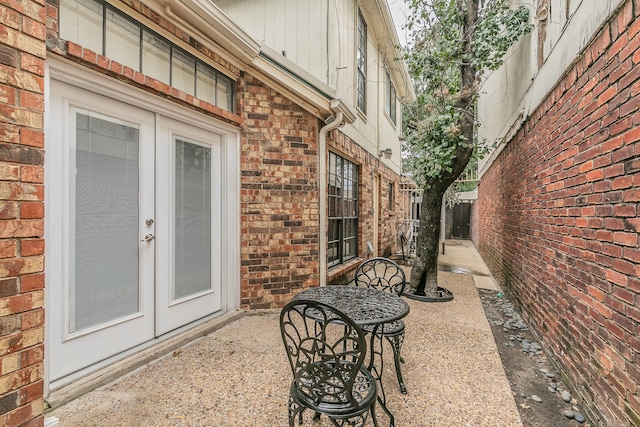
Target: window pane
(361, 63)
(206, 83)
(332, 254)
(350, 248)
(192, 233)
(387, 101)
(224, 93)
(155, 57)
(183, 69)
(333, 207)
(343, 210)
(122, 40)
(81, 23)
(361, 92)
(393, 104)
(105, 239)
(352, 229)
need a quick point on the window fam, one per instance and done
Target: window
(102, 28)
(392, 197)
(343, 210)
(390, 101)
(361, 84)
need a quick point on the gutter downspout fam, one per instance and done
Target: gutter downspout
(323, 193)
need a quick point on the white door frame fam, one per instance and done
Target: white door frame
(67, 72)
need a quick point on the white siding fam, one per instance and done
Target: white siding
(319, 36)
(295, 27)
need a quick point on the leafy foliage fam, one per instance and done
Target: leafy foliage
(440, 123)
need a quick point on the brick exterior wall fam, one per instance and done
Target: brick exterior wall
(559, 222)
(279, 189)
(279, 197)
(22, 53)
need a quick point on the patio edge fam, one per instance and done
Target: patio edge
(130, 363)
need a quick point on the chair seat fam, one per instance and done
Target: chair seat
(329, 397)
(392, 328)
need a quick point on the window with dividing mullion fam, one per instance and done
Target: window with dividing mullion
(361, 66)
(106, 30)
(342, 210)
(390, 98)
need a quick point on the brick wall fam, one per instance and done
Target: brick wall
(559, 222)
(279, 197)
(22, 52)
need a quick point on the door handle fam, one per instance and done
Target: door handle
(148, 238)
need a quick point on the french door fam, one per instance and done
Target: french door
(137, 201)
(188, 200)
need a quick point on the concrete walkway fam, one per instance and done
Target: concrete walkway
(239, 376)
(463, 255)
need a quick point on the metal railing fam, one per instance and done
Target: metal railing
(407, 230)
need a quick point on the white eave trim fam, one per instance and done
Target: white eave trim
(315, 95)
(239, 48)
(214, 23)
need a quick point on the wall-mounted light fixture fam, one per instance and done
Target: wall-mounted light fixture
(386, 152)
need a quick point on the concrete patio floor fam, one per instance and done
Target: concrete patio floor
(239, 374)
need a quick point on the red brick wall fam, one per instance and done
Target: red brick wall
(279, 197)
(22, 52)
(559, 222)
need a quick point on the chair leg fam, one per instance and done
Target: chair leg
(396, 343)
(373, 415)
(295, 409)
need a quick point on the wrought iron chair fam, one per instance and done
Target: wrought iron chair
(326, 350)
(385, 275)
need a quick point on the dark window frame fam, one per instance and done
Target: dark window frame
(361, 64)
(219, 76)
(343, 210)
(390, 105)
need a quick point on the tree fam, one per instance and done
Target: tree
(452, 42)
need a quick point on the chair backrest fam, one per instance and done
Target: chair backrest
(382, 274)
(325, 350)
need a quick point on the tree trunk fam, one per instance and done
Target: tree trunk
(424, 274)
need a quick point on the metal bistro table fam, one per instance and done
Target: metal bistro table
(366, 307)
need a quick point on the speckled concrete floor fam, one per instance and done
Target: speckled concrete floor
(239, 376)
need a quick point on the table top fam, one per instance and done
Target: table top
(365, 306)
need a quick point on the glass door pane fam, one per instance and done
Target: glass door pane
(192, 232)
(104, 242)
